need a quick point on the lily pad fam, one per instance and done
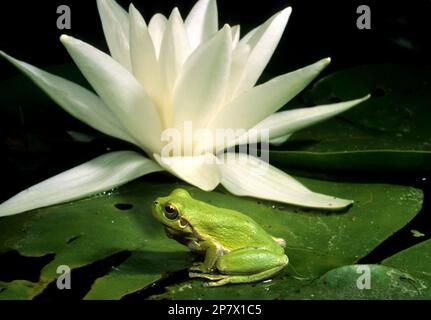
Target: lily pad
(18, 290)
(389, 133)
(415, 260)
(406, 275)
(86, 231)
(141, 270)
(343, 283)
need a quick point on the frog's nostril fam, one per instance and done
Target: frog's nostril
(155, 202)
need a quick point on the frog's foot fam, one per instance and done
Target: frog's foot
(209, 276)
(196, 267)
(199, 267)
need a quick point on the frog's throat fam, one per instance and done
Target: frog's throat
(189, 241)
(173, 232)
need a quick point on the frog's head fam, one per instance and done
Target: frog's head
(170, 212)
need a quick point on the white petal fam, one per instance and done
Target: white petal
(263, 42)
(174, 51)
(76, 100)
(247, 110)
(251, 34)
(202, 22)
(156, 28)
(239, 60)
(202, 84)
(100, 174)
(283, 124)
(200, 171)
(236, 33)
(144, 60)
(249, 176)
(115, 24)
(121, 92)
(287, 122)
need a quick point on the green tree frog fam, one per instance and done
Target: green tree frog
(236, 248)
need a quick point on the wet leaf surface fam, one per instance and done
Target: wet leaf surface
(86, 231)
(390, 133)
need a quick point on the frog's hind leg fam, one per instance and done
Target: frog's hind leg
(247, 265)
(244, 279)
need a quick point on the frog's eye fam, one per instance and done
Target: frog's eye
(171, 212)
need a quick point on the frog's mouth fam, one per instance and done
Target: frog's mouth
(172, 231)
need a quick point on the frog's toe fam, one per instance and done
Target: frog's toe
(199, 267)
(206, 276)
(196, 267)
(217, 283)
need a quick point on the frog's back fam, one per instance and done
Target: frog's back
(232, 229)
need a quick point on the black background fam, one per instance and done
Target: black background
(316, 29)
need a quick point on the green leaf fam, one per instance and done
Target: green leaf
(406, 275)
(139, 271)
(415, 260)
(84, 232)
(389, 133)
(338, 284)
(346, 283)
(18, 290)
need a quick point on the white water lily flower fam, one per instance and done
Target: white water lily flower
(160, 75)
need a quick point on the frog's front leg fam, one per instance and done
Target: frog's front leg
(213, 251)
